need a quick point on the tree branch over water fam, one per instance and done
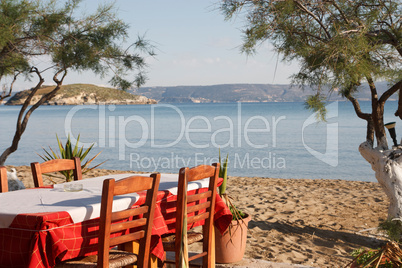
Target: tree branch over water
(88, 43)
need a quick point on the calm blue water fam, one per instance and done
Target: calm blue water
(280, 140)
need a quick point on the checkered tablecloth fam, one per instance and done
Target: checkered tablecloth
(39, 239)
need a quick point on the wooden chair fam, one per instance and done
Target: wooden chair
(54, 166)
(203, 208)
(3, 180)
(109, 226)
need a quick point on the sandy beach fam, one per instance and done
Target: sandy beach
(299, 221)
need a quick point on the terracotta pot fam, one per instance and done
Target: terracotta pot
(230, 246)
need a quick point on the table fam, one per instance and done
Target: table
(38, 226)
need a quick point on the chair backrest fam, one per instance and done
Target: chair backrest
(3, 180)
(55, 165)
(202, 207)
(142, 227)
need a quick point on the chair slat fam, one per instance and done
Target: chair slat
(126, 238)
(117, 227)
(124, 214)
(198, 207)
(197, 197)
(196, 256)
(56, 165)
(200, 172)
(197, 218)
(126, 187)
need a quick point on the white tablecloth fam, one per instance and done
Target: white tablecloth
(83, 205)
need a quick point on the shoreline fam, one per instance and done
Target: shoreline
(312, 222)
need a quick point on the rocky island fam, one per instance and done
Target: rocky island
(78, 94)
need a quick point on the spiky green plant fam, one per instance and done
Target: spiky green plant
(68, 151)
(223, 173)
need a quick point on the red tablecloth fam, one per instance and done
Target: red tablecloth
(38, 240)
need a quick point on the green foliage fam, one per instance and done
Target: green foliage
(87, 43)
(316, 104)
(68, 151)
(369, 258)
(237, 214)
(362, 256)
(393, 229)
(338, 44)
(103, 94)
(389, 255)
(31, 31)
(223, 173)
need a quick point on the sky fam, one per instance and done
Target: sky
(194, 44)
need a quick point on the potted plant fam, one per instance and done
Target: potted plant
(231, 245)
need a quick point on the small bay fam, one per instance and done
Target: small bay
(276, 139)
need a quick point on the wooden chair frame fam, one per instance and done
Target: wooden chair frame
(112, 188)
(3, 180)
(186, 176)
(126, 223)
(54, 166)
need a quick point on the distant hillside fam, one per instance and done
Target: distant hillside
(240, 92)
(77, 94)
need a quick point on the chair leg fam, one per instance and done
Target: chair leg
(209, 260)
(134, 247)
(161, 263)
(153, 261)
(213, 248)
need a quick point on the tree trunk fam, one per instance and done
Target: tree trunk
(23, 116)
(399, 110)
(387, 165)
(378, 122)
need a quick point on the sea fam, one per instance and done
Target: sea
(270, 139)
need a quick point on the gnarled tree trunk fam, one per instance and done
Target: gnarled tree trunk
(387, 165)
(24, 115)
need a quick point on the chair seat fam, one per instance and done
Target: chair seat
(169, 241)
(117, 258)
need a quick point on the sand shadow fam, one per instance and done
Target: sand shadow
(327, 237)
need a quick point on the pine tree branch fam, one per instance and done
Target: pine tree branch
(6, 95)
(390, 92)
(358, 111)
(302, 7)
